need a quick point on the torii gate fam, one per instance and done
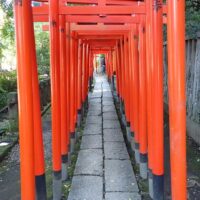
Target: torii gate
(136, 29)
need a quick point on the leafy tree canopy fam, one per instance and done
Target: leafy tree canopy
(7, 36)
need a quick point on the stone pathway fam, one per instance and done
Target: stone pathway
(103, 169)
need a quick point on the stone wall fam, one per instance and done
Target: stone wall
(45, 94)
(193, 85)
(45, 97)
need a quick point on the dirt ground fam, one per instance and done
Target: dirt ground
(9, 168)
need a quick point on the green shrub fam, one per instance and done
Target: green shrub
(3, 99)
(8, 81)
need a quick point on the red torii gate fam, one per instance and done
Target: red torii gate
(139, 82)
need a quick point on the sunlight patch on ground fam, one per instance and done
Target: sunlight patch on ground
(2, 144)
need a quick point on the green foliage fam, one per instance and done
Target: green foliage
(42, 49)
(8, 81)
(7, 36)
(13, 125)
(7, 7)
(7, 32)
(192, 18)
(3, 99)
(7, 28)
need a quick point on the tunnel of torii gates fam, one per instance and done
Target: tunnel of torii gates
(130, 35)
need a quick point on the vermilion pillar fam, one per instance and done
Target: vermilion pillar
(68, 85)
(79, 75)
(128, 86)
(142, 102)
(87, 71)
(126, 80)
(123, 81)
(122, 70)
(25, 98)
(157, 97)
(83, 73)
(38, 138)
(136, 91)
(72, 92)
(177, 97)
(63, 96)
(55, 96)
(90, 70)
(149, 65)
(118, 70)
(75, 56)
(148, 79)
(131, 87)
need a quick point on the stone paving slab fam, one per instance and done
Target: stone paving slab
(97, 90)
(86, 188)
(111, 124)
(96, 95)
(98, 85)
(112, 112)
(116, 131)
(115, 150)
(109, 108)
(107, 94)
(93, 126)
(96, 100)
(107, 99)
(91, 142)
(92, 131)
(119, 176)
(110, 116)
(105, 85)
(89, 162)
(94, 105)
(94, 109)
(94, 120)
(106, 90)
(108, 103)
(94, 113)
(113, 135)
(122, 196)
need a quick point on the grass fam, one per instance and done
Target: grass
(49, 179)
(67, 184)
